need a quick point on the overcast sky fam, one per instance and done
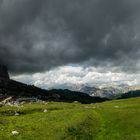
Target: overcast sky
(58, 42)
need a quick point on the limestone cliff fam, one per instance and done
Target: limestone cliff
(4, 72)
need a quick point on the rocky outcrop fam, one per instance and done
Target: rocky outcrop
(4, 72)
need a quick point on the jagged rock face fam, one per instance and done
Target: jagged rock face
(4, 72)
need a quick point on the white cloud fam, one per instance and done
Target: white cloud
(62, 77)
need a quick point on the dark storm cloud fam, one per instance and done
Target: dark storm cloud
(37, 35)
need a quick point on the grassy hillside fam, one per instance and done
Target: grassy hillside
(114, 120)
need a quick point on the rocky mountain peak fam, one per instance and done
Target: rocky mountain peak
(4, 72)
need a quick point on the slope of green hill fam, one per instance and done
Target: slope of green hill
(112, 120)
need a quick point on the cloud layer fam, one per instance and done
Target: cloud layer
(74, 76)
(38, 35)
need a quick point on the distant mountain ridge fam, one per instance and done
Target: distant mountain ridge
(17, 89)
(130, 94)
(81, 93)
(10, 87)
(110, 92)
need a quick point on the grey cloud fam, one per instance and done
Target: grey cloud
(39, 35)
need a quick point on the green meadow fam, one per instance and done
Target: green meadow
(112, 120)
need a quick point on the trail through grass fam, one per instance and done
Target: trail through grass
(114, 120)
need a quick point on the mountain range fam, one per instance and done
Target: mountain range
(82, 93)
(110, 91)
(9, 87)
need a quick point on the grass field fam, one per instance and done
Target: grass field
(113, 120)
